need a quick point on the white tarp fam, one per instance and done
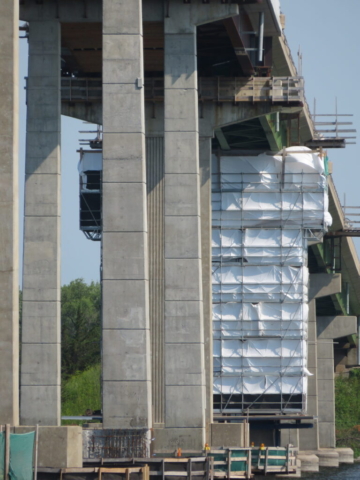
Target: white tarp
(262, 209)
(89, 161)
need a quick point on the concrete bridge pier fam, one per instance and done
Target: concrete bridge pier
(41, 322)
(126, 331)
(9, 282)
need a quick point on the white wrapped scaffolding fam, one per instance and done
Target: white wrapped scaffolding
(263, 211)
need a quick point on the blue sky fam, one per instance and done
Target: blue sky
(327, 33)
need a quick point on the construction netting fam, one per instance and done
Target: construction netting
(21, 459)
(22, 456)
(264, 211)
(2, 455)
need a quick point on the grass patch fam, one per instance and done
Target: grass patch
(80, 393)
(347, 410)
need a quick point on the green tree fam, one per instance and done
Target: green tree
(80, 326)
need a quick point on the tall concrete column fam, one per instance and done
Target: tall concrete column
(185, 383)
(328, 329)
(309, 438)
(126, 338)
(184, 334)
(206, 235)
(9, 282)
(326, 393)
(41, 366)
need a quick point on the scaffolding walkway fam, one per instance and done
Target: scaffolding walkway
(278, 90)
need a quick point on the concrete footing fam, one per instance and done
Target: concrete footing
(327, 457)
(346, 455)
(297, 474)
(59, 447)
(309, 462)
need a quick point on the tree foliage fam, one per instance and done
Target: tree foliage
(80, 326)
(347, 411)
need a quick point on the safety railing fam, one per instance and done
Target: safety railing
(215, 89)
(81, 89)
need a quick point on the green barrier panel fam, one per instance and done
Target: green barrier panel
(22, 456)
(240, 465)
(2, 455)
(236, 466)
(218, 457)
(272, 462)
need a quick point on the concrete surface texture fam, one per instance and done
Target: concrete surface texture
(155, 209)
(41, 366)
(329, 328)
(59, 447)
(309, 438)
(9, 290)
(324, 284)
(328, 457)
(184, 356)
(206, 255)
(229, 435)
(309, 462)
(126, 335)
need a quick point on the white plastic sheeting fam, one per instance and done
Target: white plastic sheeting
(89, 162)
(263, 208)
(267, 191)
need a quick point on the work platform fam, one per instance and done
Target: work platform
(279, 90)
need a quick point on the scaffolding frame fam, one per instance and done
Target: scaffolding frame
(294, 256)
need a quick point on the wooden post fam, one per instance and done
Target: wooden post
(189, 469)
(229, 463)
(146, 472)
(36, 451)
(249, 463)
(266, 460)
(207, 467)
(259, 458)
(163, 469)
(7, 450)
(287, 459)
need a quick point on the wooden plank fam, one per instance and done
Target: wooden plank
(229, 463)
(36, 451)
(49, 470)
(7, 450)
(126, 470)
(207, 475)
(145, 472)
(266, 460)
(248, 473)
(176, 474)
(287, 459)
(176, 460)
(75, 470)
